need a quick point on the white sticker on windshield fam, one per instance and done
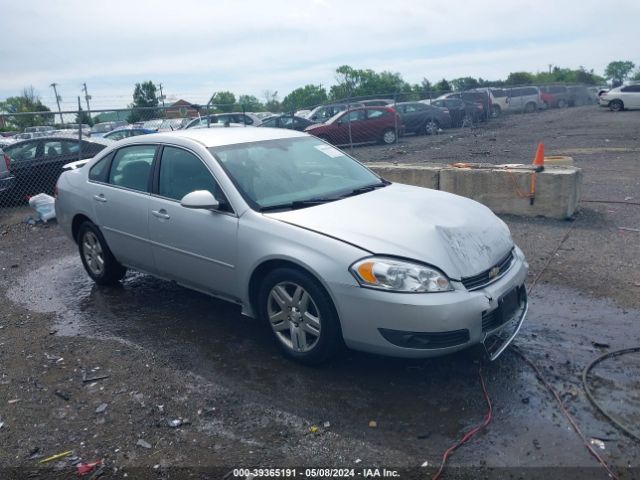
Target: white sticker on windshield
(330, 151)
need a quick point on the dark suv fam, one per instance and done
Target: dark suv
(420, 118)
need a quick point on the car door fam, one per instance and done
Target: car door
(119, 187)
(195, 247)
(630, 96)
(23, 157)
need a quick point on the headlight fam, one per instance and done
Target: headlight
(399, 276)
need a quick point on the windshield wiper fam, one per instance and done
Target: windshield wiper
(365, 189)
(298, 204)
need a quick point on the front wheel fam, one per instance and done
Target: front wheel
(562, 103)
(389, 136)
(96, 257)
(301, 315)
(616, 106)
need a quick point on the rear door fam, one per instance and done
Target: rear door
(120, 194)
(195, 247)
(630, 96)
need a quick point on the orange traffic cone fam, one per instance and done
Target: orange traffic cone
(538, 160)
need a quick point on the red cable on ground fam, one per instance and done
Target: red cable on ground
(470, 433)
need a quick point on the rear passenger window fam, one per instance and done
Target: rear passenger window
(131, 167)
(98, 172)
(380, 113)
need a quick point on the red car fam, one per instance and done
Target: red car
(360, 125)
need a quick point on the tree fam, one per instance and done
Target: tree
(271, 103)
(442, 86)
(308, 96)
(144, 101)
(28, 101)
(464, 83)
(249, 103)
(618, 71)
(360, 83)
(520, 78)
(224, 101)
(636, 76)
(83, 117)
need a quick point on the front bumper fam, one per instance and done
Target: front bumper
(432, 324)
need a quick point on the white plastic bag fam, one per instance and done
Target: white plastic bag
(44, 205)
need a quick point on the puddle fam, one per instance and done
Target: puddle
(420, 405)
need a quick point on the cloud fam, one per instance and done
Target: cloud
(196, 47)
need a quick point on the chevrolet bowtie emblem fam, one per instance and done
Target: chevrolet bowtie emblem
(493, 273)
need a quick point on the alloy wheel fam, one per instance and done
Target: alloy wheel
(93, 254)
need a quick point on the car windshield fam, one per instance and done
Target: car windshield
(286, 173)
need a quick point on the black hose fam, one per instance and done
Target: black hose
(585, 373)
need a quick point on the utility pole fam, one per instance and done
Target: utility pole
(58, 98)
(162, 97)
(87, 97)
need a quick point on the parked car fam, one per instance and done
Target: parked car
(499, 101)
(377, 102)
(237, 117)
(39, 128)
(462, 113)
(325, 112)
(578, 95)
(28, 135)
(171, 124)
(555, 96)
(100, 129)
(125, 132)
(420, 118)
(153, 124)
(483, 98)
(6, 179)
(525, 99)
(625, 97)
(360, 125)
(302, 113)
(286, 121)
(74, 127)
(36, 164)
(302, 236)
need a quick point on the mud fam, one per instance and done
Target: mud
(171, 353)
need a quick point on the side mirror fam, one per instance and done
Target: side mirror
(200, 199)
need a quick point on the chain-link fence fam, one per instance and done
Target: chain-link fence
(41, 143)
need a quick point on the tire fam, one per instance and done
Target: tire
(467, 121)
(616, 105)
(496, 111)
(562, 103)
(301, 316)
(96, 257)
(389, 137)
(430, 127)
(530, 107)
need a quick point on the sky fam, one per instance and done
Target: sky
(197, 47)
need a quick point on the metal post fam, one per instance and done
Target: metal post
(79, 129)
(162, 97)
(55, 92)
(349, 121)
(395, 118)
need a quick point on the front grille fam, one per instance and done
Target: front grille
(483, 279)
(492, 320)
(426, 340)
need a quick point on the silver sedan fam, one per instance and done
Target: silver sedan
(302, 236)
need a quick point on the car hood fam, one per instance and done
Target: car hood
(457, 235)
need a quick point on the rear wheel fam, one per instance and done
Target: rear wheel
(430, 127)
(562, 103)
(389, 136)
(301, 315)
(616, 105)
(96, 257)
(530, 107)
(496, 111)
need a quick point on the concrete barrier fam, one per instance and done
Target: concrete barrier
(418, 175)
(503, 190)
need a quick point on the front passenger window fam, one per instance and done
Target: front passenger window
(131, 167)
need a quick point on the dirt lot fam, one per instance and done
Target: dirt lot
(172, 354)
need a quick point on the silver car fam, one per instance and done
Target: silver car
(302, 236)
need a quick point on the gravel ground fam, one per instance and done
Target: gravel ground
(171, 354)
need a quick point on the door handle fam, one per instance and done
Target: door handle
(162, 213)
(100, 198)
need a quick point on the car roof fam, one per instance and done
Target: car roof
(216, 137)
